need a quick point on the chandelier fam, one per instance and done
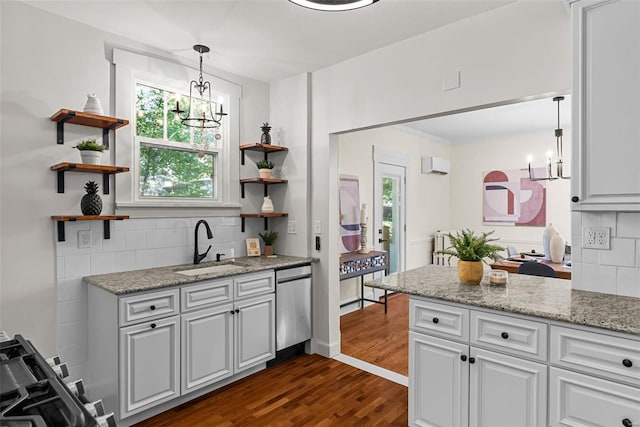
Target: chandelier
(201, 112)
(559, 163)
(333, 5)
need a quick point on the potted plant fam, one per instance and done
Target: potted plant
(90, 151)
(471, 251)
(264, 168)
(269, 239)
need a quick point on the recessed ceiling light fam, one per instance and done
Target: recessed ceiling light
(333, 5)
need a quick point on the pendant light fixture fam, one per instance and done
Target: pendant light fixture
(559, 163)
(201, 112)
(333, 5)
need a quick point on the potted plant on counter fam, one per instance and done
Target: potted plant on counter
(471, 251)
(269, 238)
(90, 151)
(264, 168)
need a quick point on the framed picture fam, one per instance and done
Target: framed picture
(253, 246)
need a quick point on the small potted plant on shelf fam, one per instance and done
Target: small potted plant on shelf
(264, 168)
(269, 238)
(90, 151)
(471, 251)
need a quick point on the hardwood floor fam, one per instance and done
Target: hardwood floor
(380, 339)
(308, 390)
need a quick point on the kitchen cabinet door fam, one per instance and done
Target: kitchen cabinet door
(149, 364)
(255, 332)
(438, 382)
(606, 106)
(207, 347)
(505, 391)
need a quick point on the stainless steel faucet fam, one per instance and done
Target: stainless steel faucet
(197, 257)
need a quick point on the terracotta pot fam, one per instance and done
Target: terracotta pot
(470, 272)
(264, 173)
(268, 250)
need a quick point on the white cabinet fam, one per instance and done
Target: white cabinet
(254, 331)
(454, 381)
(150, 364)
(606, 106)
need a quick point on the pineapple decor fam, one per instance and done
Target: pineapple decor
(91, 203)
(265, 138)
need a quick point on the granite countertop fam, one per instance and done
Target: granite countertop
(162, 277)
(542, 297)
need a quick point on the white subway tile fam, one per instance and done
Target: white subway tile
(77, 372)
(224, 235)
(74, 354)
(166, 238)
(230, 221)
(628, 282)
(629, 224)
(598, 278)
(59, 267)
(600, 219)
(145, 224)
(162, 223)
(146, 258)
(576, 253)
(115, 243)
(102, 263)
(637, 253)
(590, 256)
(622, 253)
(124, 261)
(77, 266)
(124, 225)
(72, 333)
(70, 289)
(576, 275)
(72, 311)
(134, 240)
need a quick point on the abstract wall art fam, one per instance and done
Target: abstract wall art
(509, 197)
(349, 213)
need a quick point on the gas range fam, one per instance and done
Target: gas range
(33, 393)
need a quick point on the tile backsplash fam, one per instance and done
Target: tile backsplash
(612, 271)
(134, 244)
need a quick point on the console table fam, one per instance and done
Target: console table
(355, 264)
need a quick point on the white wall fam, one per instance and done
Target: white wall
(428, 208)
(48, 63)
(470, 161)
(513, 52)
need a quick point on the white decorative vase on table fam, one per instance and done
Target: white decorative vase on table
(556, 248)
(548, 233)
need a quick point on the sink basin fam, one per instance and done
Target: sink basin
(221, 268)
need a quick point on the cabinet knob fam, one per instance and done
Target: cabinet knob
(153, 307)
(627, 422)
(435, 320)
(237, 310)
(472, 360)
(463, 358)
(575, 199)
(504, 335)
(232, 312)
(153, 326)
(628, 363)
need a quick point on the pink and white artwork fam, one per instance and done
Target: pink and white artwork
(511, 198)
(349, 213)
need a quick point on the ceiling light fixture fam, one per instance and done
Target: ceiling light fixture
(333, 5)
(559, 162)
(201, 112)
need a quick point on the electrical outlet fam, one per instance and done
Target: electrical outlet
(84, 239)
(596, 238)
(291, 227)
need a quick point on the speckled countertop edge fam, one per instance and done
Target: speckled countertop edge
(161, 277)
(541, 297)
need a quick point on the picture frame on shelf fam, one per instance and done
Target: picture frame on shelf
(253, 246)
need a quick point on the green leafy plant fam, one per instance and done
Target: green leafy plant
(269, 237)
(467, 246)
(90, 145)
(265, 164)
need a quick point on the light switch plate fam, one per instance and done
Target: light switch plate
(317, 227)
(84, 239)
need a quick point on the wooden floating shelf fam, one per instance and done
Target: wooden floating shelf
(106, 218)
(106, 123)
(105, 170)
(264, 181)
(266, 217)
(263, 148)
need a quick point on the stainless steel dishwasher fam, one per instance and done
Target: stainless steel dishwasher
(293, 306)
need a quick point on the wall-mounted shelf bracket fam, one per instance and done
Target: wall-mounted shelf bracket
(61, 219)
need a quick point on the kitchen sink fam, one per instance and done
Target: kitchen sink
(213, 269)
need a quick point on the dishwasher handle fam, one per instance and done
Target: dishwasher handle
(294, 273)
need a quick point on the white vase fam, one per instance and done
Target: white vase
(556, 248)
(93, 105)
(267, 205)
(90, 157)
(548, 233)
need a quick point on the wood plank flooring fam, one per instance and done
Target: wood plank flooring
(308, 390)
(380, 339)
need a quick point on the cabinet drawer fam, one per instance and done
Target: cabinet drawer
(153, 305)
(254, 284)
(509, 334)
(605, 355)
(439, 319)
(579, 400)
(206, 294)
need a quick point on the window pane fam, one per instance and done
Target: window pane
(173, 173)
(175, 130)
(149, 112)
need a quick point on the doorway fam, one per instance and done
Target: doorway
(390, 207)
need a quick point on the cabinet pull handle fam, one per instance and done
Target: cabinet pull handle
(463, 358)
(472, 360)
(627, 422)
(435, 320)
(153, 307)
(237, 310)
(627, 363)
(575, 199)
(232, 312)
(153, 326)
(504, 335)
